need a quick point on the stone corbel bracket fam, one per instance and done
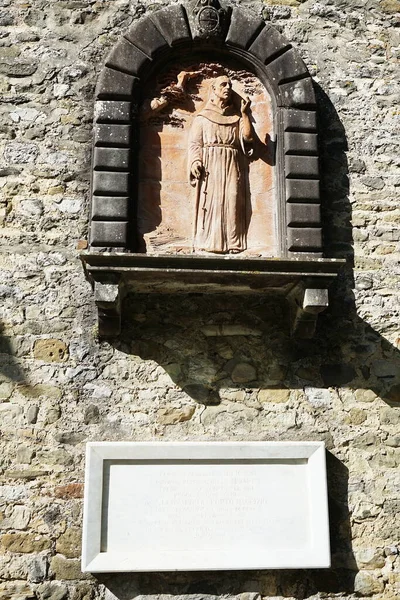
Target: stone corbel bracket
(303, 283)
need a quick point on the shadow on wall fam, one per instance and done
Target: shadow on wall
(10, 370)
(210, 343)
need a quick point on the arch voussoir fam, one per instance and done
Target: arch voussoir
(243, 28)
(127, 58)
(173, 24)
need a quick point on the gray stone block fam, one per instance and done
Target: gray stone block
(172, 24)
(108, 182)
(301, 166)
(286, 67)
(301, 143)
(303, 214)
(298, 94)
(112, 135)
(268, 44)
(109, 233)
(110, 208)
(127, 58)
(114, 83)
(304, 238)
(111, 158)
(112, 111)
(302, 190)
(243, 28)
(145, 36)
(299, 120)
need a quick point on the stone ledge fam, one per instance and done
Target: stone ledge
(113, 274)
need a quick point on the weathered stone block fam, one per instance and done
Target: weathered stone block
(299, 120)
(114, 83)
(111, 158)
(69, 491)
(301, 143)
(172, 24)
(268, 44)
(127, 58)
(69, 543)
(243, 373)
(52, 591)
(304, 238)
(301, 166)
(298, 93)
(113, 234)
(66, 568)
(300, 214)
(171, 415)
(18, 68)
(287, 66)
(145, 35)
(110, 183)
(302, 190)
(112, 135)
(40, 390)
(110, 208)
(24, 542)
(243, 28)
(112, 111)
(275, 396)
(50, 350)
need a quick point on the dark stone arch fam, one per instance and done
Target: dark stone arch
(149, 45)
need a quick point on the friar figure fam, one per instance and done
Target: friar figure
(219, 142)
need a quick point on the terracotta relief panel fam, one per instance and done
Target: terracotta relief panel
(206, 180)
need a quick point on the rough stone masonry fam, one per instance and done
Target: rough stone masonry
(193, 367)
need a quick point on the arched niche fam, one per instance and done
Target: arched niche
(206, 30)
(163, 38)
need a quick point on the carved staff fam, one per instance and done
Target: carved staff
(196, 208)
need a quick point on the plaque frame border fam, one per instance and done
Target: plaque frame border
(95, 561)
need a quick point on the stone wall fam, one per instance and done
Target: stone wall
(194, 368)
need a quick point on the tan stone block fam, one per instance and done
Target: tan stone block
(367, 583)
(390, 6)
(24, 542)
(50, 350)
(356, 416)
(390, 416)
(69, 491)
(57, 189)
(67, 568)
(369, 558)
(276, 396)
(6, 390)
(365, 396)
(36, 391)
(69, 543)
(16, 590)
(171, 415)
(283, 2)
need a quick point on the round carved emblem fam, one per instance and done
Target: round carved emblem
(208, 19)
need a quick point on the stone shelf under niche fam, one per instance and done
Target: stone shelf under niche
(302, 282)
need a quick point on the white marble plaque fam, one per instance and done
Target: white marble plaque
(205, 506)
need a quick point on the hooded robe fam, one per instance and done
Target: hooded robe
(216, 141)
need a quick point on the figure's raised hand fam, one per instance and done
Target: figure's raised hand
(197, 169)
(245, 105)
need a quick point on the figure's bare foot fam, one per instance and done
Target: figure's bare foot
(234, 251)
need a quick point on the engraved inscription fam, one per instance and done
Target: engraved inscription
(206, 507)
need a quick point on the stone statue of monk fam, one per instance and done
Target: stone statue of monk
(219, 142)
